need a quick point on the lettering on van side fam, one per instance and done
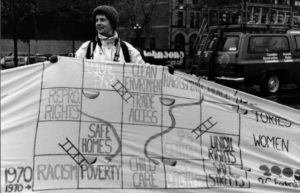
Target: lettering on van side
(270, 58)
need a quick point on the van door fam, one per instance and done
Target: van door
(295, 72)
(204, 57)
(226, 58)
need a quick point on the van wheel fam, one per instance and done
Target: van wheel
(271, 84)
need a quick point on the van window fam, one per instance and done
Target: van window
(297, 38)
(212, 43)
(268, 44)
(230, 44)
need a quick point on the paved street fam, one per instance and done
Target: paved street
(289, 96)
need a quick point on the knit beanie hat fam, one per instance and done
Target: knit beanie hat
(110, 12)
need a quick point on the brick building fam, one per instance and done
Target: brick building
(173, 25)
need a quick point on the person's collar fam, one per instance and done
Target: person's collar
(113, 37)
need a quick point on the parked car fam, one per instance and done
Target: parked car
(23, 59)
(8, 61)
(67, 54)
(254, 56)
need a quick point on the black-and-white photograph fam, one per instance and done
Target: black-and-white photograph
(150, 96)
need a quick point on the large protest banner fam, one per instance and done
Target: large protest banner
(87, 126)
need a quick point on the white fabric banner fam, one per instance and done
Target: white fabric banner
(86, 126)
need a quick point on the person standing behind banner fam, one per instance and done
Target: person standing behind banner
(107, 44)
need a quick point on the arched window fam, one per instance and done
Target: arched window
(191, 43)
(179, 42)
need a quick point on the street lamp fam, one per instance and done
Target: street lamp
(137, 28)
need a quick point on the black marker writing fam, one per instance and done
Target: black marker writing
(101, 172)
(143, 172)
(62, 104)
(276, 143)
(143, 110)
(273, 120)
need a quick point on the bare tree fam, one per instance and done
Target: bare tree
(19, 15)
(136, 15)
(137, 11)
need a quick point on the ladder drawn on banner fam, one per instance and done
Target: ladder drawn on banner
(78, 157)
(207, 124)
(120, 88)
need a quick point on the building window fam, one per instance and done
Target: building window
(197, 19)
(213, 17)
(179, 18)
(192, 21)
(179, 42)
(180, 1)
(281, 2)
(152, 43)
(297, 3)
